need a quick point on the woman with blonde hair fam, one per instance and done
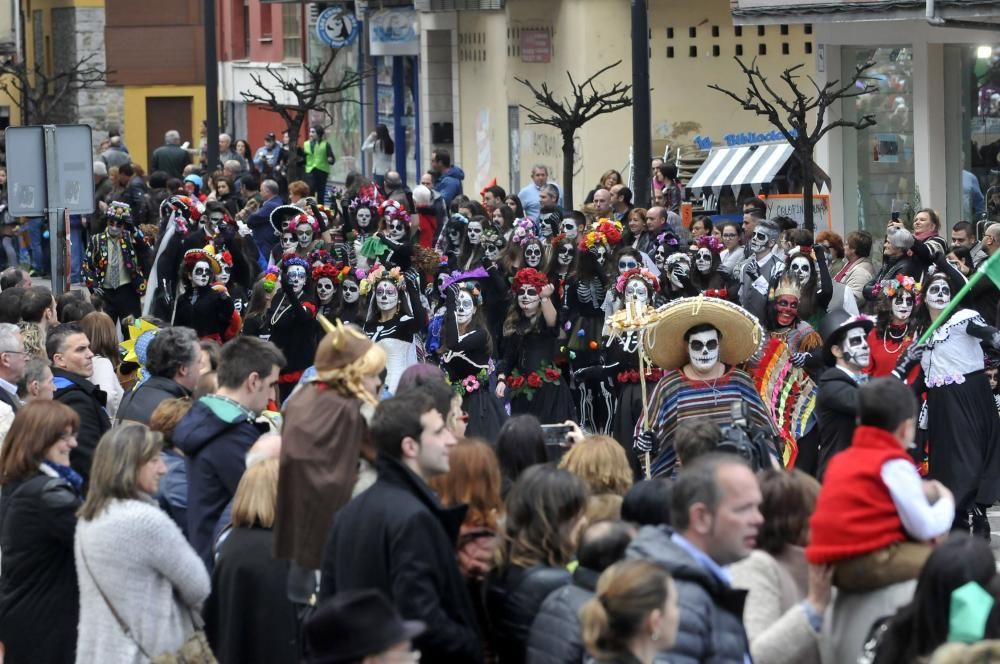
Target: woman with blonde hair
(325, 460)
(633, 615)
(100, 330)
(602, 463)
(38, 501)
(249, 587)
(140, 580)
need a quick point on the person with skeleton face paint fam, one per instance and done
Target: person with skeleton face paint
(784, 323)
(757, 271)
(895, 326)
(808, 266)
(531, 342)
(697, 343)
(962, 430)
(179, 216)
(237, 293)
(466, 354)
(677, 277)
(392, 246)
(324, 281)
(350, 300)
(395, 316)
(706, 274)
(474, 250)
(292, 319)
(208, 310)
(111, 267)
(306, 234)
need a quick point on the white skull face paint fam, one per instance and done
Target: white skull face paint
(565, 255)
(288, 242)
(703, 350)
(386, 296)
(660, 257)
(349, 292)
(600, 253)
(492, 250)
(532, 255)
(626, 263)
(363, 217)
(637, 291)
(325, 290)
(474, 232)
(938, 295)
(305, 235)
(396, 230)
(569, 227)
(902, 305)
(297, 278)
(703, 261)
(528, 299)
(465, 307)
(759, 242)
(855, 348)
(224, 272)
(214, 221)
(201, 274)
(801, 269)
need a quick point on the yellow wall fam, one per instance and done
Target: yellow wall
(135, 112)
(587, 35)
(11, 100)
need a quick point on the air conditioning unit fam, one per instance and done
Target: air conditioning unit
(454, 5)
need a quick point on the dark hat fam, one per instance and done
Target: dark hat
(355, 624)
(282, 215)
(269, 136)
(834, 326)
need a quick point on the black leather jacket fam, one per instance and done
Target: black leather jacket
(513, 597)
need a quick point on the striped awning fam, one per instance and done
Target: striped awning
(752, 165)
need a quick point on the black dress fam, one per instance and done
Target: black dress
(622, 367)
(395, 336)
(528, 357)
(295, 331)
(205, 310)
(584, 313)
(467, 364)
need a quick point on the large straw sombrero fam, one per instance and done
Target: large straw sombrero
(741, 332)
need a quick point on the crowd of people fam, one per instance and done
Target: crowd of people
(289, 422)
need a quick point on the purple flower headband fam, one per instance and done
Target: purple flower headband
(524, 231)
(363, 201)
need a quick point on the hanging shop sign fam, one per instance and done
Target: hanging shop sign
(336, 27)
(393, 32)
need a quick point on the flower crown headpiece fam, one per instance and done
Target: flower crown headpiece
(606, 232)
(391, 209)
(363, 201)
(303, 218)
(271, 279)
(491, 234)
(320, 256)
(524, 230)
(529, 276)
(472, 289)
(556, 240)
(891, 286)
(460, 218)
(227, 258)
(329, 270)
(290, 259)
(120, 211)
(637, 273)
(802, 250)
(711, 243)
(668, 239)
(379, 273)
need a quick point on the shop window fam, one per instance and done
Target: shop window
(739, 50)
(809, 48)
(738, 30)
(760, 31)
(784, 48)
(784, 30)
(670, 33)
(809, 28)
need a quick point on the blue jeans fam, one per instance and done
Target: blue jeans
(39, 246)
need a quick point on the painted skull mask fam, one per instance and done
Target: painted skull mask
(201, 274)
(225, 272)
(938, 294)
(703, 260)
(855, 347)
(289, 242)
(455, 235)
(297, 278)
(350, 292)
(801, 269)
(600, 252)
(465, 307)
(363, 218)
(528, 299)
(902, 305)
(760, 242)
(637, 291)
(386, 296)
(396, 230)
(474, 232)
(304, 234)
(533, 255)
(660, 257)
(214, 221)
(564, 256)
(703, 350)
(627, 262)
(325, 290)
(492, 249)
(569, 228)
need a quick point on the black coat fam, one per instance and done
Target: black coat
(556, 634)
(139, 404)
(248, 618)
(88, 401)
(39, 598)
(397, 537)
(836, 414)
(513, 598)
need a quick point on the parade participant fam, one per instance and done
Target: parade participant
(701, 377)
(218, 229)
(808, 266)
(526, 374)
(784, 322)
(237, 292)
(561, 264)
(756, 273)
(202, 307)
(324, 282)
(395, 316)
(894, 327)
(847, 354)
(307, 230)
(292, 320)
(325, 460)
(474, 251)
(496, 289)
(363, 211)
(963, 435)
(676, 275)
(391, 246)
(451, 243)
(665, 244)
(466, 353)
(179, 215)
(111, 268)
(707, 276)
(585, 291)
(351, 310)
(283, 220)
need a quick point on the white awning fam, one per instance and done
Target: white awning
(752, 165)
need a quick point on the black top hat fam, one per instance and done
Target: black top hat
(355, 624)
(834, 327)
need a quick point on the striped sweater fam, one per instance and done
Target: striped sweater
(678, 397)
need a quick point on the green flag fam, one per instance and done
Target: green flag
(990, 268)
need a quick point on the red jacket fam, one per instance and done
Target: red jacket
(854, 512)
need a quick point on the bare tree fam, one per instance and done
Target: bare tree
(567, 115)
(802, 117)
(42, 97)
(312, 93)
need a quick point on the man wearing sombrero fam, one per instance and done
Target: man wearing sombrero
(702, 378)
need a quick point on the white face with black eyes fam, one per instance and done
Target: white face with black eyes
(297, 278)
(801, 269)
(350, 292)
(325, 290)
(465, 307)
(533, 255)
(201, 274)
(703, 350)
(637, 291)
(363, 217)
(386, 296)
(288, 242)
(474, 232)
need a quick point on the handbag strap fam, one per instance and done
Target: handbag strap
(121, 623)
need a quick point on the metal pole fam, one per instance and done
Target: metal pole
(642, 139)
(56, 220)
(211, 86)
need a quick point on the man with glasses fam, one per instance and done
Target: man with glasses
(111, 268)
(732, 255)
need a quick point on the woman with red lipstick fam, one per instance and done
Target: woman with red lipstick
(894, 330)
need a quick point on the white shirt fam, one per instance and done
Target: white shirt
(921, 520)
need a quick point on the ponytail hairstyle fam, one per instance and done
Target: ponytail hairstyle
(627, 593)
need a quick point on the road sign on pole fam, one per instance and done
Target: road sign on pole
(50, 173)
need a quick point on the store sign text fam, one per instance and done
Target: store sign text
(742, 138)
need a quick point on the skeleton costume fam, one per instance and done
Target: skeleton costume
(533, 384)
(496, 289)
(466, 357)
(563, 258)
(363, 211)
(178, 216)
(237, 292)
(783, 322)
(390, 292)
(707, 275)
(474, 251)
(285, 220)
(292, 320)
(350, 299)
(963, 432)
(894, 327)
(307, 234)
(204, 308)
(325, 279)
(809, 268)
(452, 242)
(391, 247)
(583, 311)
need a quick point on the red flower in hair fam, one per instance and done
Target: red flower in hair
(326, 270)
(529, 276)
